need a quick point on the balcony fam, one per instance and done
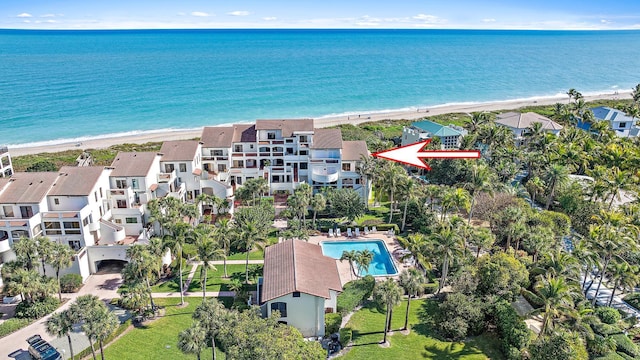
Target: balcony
(325, 174)
(164, 178)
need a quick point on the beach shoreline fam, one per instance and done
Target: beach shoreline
(326, 121)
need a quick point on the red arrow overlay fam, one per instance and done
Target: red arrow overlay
(413, 154)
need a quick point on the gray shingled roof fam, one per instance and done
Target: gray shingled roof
(353, 150)
(522, 121)
(133, 163)
(27, 187)
(76, 181)
(179, 150)
(296, 265)
(327, 139)
(288, 127)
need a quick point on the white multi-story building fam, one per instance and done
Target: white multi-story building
(622, 124)
(6, 168)
(181, 164)
(285, 152)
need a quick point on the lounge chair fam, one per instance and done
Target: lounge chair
(330, 233)
(373, 229)
(366, 230)
(349, 233)
(357, 232)
(338, 234)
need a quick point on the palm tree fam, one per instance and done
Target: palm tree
(408, 187)
(106, 323)
(393, 175)
(587, 258)
(61, 324)
(318, 203)
(418, 246)
(480, 181)
(362, 259)
(609, 246)
(390, 294)
(535, 186)
(350, 256)
(208, 251)
(248, 237)
(481, 238)
(412, 281)
(60, 258)
(223, 233)
(212, 316)
(87, 309)
(366, 168)
(44, 250)
(181, 231)
(26, 248)
(193, 339)
(616, 181)
(142, 267)
(557, 176)
(456, 199)
(446, 242)
(556, 295)
(477, 120)
(623, 275)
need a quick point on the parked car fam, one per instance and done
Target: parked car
(42, 350)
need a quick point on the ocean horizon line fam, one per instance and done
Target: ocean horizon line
(195, 29)
(133, 133)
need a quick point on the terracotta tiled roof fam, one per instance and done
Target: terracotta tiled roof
(76, 181)
(288, 127)
(133, 163)
(225, 136)
(327, 139)
(296, 265)
(179, 150)
(522, 121)
(353, 150)
(27, 187)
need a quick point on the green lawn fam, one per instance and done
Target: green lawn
(215, 280)
(254, 255)
(419, 344)
(172, 284)
(158, 340)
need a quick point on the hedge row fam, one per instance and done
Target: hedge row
(13, 324)
(343, 229)
(332, 322)
(354, 293)
(86, 352)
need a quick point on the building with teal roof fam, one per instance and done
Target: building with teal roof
(450, 136)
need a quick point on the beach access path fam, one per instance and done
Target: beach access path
(413, 114)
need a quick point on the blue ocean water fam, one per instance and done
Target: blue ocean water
(73, 84)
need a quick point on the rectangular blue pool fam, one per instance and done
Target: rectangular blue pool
(381, 265)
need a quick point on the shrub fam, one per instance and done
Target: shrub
(600, 346)
(625, 345)
(332, 322)
(605, 329)
(354, 293)
(13, 324)
(633, 300)
(608, 315)
(70, 283)
(430, 288)
(346, 334)
(609, 356)
(37, 309)
(460, 315)
(514, 331)
(535, 302)
(385, 227)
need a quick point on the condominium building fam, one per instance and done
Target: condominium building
(6, 168)
(450, 136)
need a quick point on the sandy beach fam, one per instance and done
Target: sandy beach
(320, 122)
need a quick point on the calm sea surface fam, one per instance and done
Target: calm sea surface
(72, 85)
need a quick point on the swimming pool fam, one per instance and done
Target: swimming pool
(381, 265)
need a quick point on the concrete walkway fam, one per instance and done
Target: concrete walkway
(229, 262)
(104, 286)
(195, 294)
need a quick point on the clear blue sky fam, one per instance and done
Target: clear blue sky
(409, 14)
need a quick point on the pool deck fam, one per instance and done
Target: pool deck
(343, 266)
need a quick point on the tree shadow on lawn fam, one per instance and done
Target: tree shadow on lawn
(426, 324)
(453, 350)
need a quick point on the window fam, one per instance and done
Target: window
(280, 306)
(26, 212)
(56, 201)
(623, 125)
(271, 135)
(118, 221)
(289, 151)
(131, 220)
(304, 166)
(238, 163)
(121, 184)
(169, 168)
(72, 228)
(346, 167)
(95, 195)
(101, 192)
(37, 230)
(238, 180)
(121, 204)
(85, 222)
(237, 148)
(74, 244)
(8, 211)
(216, 152)
(304, 139)
(134, 183)
(296, 294)
(304, 152)
(52, 228)
(222, 167)
(183, 167)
